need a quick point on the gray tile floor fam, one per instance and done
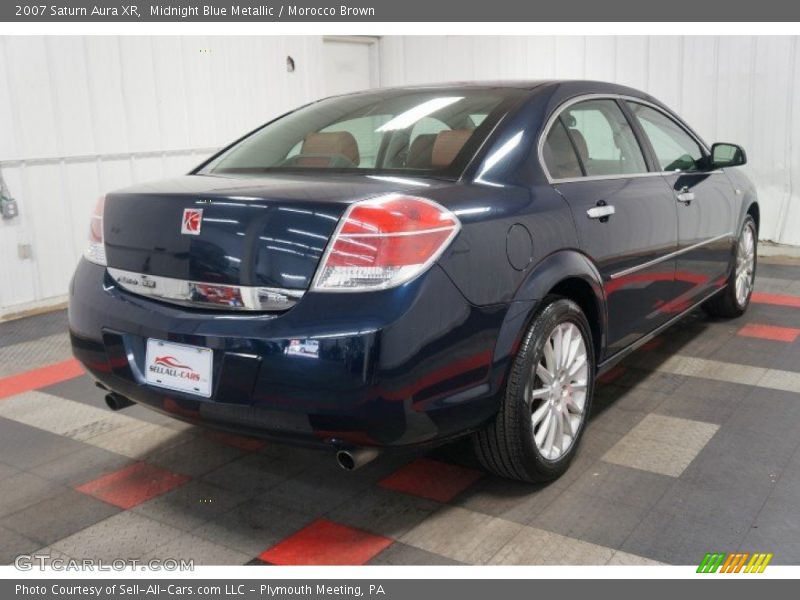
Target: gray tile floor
(693, 447)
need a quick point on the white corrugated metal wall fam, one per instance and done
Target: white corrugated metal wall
(82, 115)
(737, 89)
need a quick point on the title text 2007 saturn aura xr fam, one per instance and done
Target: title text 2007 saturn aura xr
(405, 266)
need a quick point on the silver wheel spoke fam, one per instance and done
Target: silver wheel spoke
(557, 348)
(565, 416)
(546, 376)
(574, 347)
(540, 393)
(551, 436)
(577, 365)
(566, 342)
(549, 357)
(573, 408)
(544, 428)
(539, 414)
(558, 437)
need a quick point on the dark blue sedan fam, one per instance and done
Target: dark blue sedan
(406, 266)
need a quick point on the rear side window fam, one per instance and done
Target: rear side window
(675, 149)
(603, 138)
(559, 154)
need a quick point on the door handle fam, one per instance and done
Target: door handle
(601, 212)
(685, 196)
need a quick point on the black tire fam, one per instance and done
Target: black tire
(725, 304)
(506, 446)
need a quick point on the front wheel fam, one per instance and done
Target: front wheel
(735, 298)
(536, 432)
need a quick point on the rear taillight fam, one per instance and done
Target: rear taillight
(384, 242)
(95, 250)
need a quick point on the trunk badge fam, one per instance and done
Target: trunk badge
(192, 221)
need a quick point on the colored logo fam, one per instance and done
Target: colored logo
(737, 562)
(192, 221)
(171, 362)
(170, 366)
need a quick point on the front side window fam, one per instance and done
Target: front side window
(387, 131)
(675, 149)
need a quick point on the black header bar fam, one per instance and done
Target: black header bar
(376, 11)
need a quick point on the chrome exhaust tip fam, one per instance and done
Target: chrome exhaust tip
(116, 402)
(352, 459)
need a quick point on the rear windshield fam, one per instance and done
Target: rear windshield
(412, 132)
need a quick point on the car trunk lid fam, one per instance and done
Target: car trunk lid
(235, 236)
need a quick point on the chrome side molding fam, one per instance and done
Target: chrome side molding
(655, 261)
(199, 294)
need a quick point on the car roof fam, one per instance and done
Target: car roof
(589, 85)
(522, 84)
(566, 87)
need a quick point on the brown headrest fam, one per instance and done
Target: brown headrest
(580, 144)
(328, 144)
(447, 145)
(560, 155)
(421, 151)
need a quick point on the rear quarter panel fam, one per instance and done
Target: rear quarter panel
(478, 260)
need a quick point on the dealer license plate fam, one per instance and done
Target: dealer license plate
(179, 367)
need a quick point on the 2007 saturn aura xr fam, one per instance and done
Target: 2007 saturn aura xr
(406, 266)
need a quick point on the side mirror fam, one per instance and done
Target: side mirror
(727, 155)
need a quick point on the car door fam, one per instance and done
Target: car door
(704, 200)
(625, 214)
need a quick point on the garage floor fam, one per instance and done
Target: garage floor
(694, 447)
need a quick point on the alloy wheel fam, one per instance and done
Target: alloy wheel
(745, 264)
(557, 391)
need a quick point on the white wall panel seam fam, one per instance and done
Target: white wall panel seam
(67, 204)
(790, 116)
(682, 56)
(92, 101)
(81, 158)
(127, 109)
(53, 95)
(12, 96)
(30, 233)
(752, 95)
(159, 128)
(715, 93)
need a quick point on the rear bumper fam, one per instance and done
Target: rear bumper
(392, 368)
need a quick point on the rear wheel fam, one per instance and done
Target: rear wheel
(735, 298)
(536, 432)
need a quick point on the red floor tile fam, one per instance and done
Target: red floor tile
(612, 375)
(38, 378)
(653, 344)
(326, 543)
(241, 442)
(431, 479)
(776, 299)
(770, 332)
(133, 485)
